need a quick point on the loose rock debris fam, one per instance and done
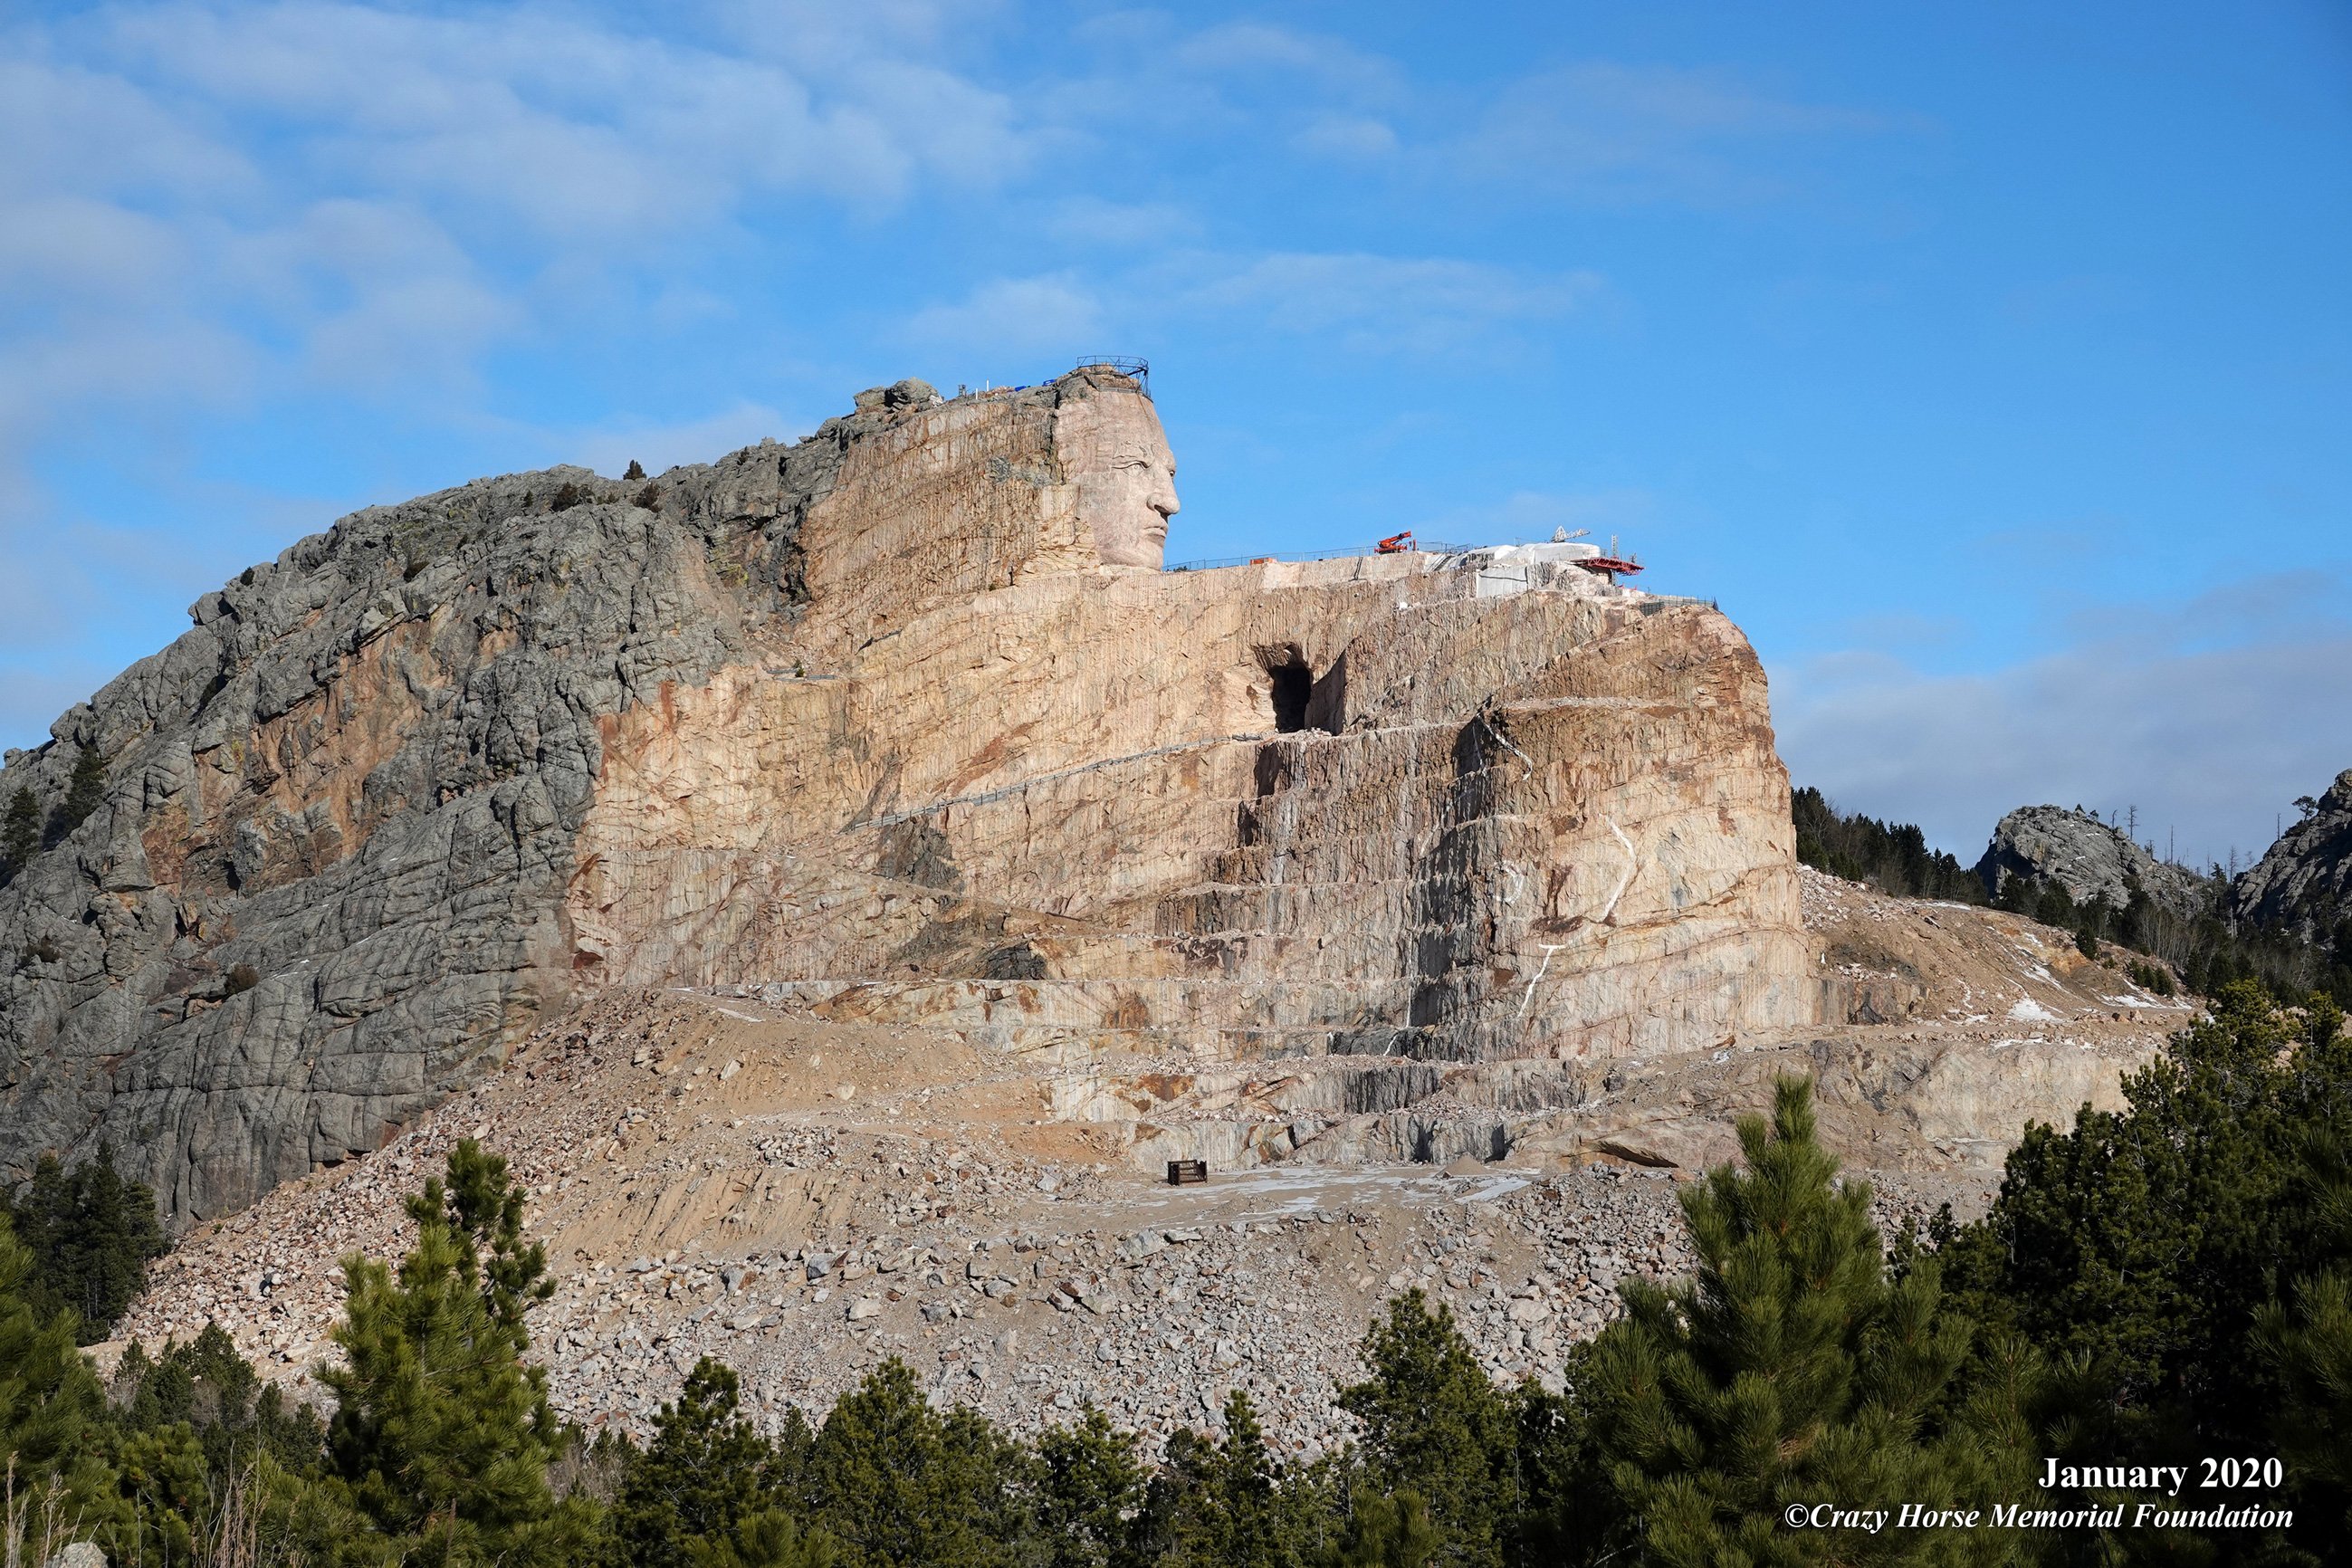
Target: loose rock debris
(755, 1216)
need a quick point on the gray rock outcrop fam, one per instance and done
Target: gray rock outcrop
(2076, 851)
(2302, 883)
(325, 887)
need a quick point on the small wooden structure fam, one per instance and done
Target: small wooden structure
(1184, 1173)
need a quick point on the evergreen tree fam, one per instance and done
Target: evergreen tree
(206, 1386)
(91, 1235)
(51, 1406)
(1089, 1484)
(443, 1436)
(898, 1484)
(85, 792)
(1435, 1424)
(706, 1474)
(20, 833)
(1227, 1504)
(1386, 1533)
(2309, 1347)
(1793, 1370)
(48, 1396)
(2144, 1239)
(1893, 857)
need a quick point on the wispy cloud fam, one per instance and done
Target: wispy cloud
(208, 208)
(2210, 717)
(1608, 133)
(1053, 311)
(1352, 302)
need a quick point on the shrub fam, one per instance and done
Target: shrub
(243, 977)
(567, 495)
(637, 470)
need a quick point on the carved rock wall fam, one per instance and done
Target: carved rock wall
(860, 720)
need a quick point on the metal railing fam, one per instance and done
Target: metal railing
(1137, 370)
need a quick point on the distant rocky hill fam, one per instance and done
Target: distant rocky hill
(899, 724)
(2302, 884)
(2049, 845)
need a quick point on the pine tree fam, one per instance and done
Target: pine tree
(85, 792)
(2309, 1347)
(443, 1436)
(1792, 1370)
(2145, 1239)
(1386, 1533)
(20, 833)
(1226, 1504)
(50, 1401)
(91, 1235)
(898, 1484)
(706, 1474)
(1435, 1424)
(1090, 1484)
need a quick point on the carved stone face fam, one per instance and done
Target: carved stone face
(1111, 447)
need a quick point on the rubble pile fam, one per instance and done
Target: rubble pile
(1011, 1272)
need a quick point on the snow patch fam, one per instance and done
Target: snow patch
(2031, 1012)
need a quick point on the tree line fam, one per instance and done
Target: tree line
(2199, 946)
(1891, 856)
(2160, 1285)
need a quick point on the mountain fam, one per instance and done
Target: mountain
(2302, 883)
(898, 724)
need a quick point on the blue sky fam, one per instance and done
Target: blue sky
(1990, 364)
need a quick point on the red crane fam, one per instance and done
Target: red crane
(1394, 544)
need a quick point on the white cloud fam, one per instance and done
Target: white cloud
(1346, 136)
(2208, 740)
(1237, 48)
(210, 207)
(1055, 313)
(1601, 131)
(1378, 304)
(1370, 304)
(1122, 225)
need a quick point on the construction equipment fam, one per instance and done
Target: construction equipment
(1394, 544)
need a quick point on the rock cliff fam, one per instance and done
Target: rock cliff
(876, 722)
(2046, 844)
(2302, 883)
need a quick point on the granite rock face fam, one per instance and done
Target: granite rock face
(357, 781)
(2304, 882)
(2046, 844)
(866, 721)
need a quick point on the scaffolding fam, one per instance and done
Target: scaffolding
(1136, 370)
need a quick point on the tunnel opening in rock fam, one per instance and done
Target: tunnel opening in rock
(1292, 687)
